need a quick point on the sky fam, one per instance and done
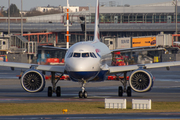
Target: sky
(28, 4)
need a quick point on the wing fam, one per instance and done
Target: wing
(137, 49)
(52, 48)
(177, 42)
(117, 69)
(49, 68)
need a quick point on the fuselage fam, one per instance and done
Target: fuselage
(83, 61)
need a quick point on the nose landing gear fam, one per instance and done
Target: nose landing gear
(83, 93)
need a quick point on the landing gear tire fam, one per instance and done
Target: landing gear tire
(49, 91)
(58, 91)
(80, 94)
(129, 91)
(120, 91)
(85, 94)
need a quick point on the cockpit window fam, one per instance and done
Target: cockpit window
(70, 54)
(76, 55)
(85, 54)
(94, 55)
(91, 54)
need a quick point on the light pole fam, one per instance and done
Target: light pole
(175, 3)
(176, 18)
(21, 18)
(67, 44)
(85, 29)
(9, 17)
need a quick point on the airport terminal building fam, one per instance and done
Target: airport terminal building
(115, 21)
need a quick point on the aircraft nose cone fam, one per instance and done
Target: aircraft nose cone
(82, 65)
(82, 75)
(82, 69)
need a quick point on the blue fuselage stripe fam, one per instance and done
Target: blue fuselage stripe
(83, 75)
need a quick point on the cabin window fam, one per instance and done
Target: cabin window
(85, 54)
(76, 55)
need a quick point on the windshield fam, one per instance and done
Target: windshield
(76, 55)
(85, 54)
(70, 55)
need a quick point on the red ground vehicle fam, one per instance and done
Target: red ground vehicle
(119, 62)
(118, 59)
(54, 61)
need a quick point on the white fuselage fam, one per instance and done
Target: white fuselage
(83, 61)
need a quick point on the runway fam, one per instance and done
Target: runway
(123, 116)
(11, 91)
(166, 88)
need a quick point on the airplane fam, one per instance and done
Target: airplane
(88, 61)
(176, 42)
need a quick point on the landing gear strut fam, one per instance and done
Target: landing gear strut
(54, 89)
(83, 93)
(126, 89)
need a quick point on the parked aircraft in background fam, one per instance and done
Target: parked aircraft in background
(88, 62)
(176, 42)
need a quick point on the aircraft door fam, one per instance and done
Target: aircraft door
(115, 19)
(168, 19)
(3, 44)
(110, 43)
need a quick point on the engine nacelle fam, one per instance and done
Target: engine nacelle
(141, 80)
(33, 81)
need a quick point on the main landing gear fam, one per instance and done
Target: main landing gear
(54, 89)
(83, 93)
(124, 89)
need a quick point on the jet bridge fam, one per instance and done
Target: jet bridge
(19, 44)
(21, 50)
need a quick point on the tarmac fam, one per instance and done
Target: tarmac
(166, 88)
(123, 116)
(11, 91)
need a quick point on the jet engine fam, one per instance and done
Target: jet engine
(33, 81)
(141, 80)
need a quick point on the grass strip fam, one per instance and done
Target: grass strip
(79, 108)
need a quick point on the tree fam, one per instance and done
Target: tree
(1, 15)
(1, 11)
(34, 12)
(14, 11)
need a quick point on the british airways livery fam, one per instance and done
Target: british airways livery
(88, 62)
